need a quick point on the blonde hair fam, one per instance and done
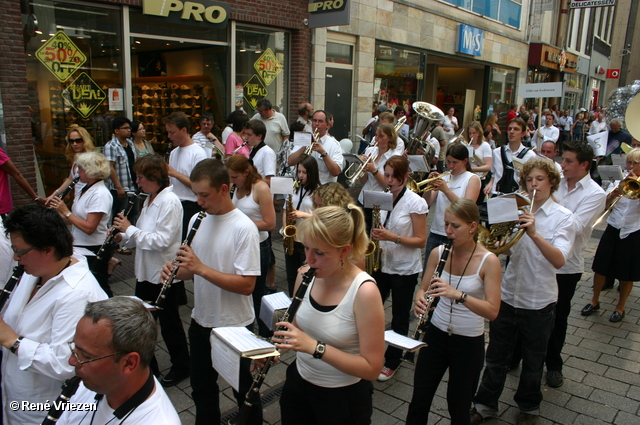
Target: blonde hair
(337, 227)
(545, 165)
(634, 155)
(94, 164)
(467, 211)
(390, 131)
(88, 141)
(333, 193)
(478, 127)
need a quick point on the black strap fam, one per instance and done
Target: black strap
(255, 150)
(136, 400)
(404, 189)
(302, 194)
(84, 189)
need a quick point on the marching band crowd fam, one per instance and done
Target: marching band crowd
(207, 215)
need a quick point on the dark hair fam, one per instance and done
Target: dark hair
(206, 117)
(520, 122)
(119, 122)
(179, 119)
(296, 126)
(237, 119)
(264, 104)
(493, 132)
(133, 329)
(212, 170)
(239, 164)
(326, 114)
(304, 108)
(153, 168)
(42, 228)
(584, 152)
(398, 110)
(135, 126)
(460, 152)
(399, 165)
(313, 176)
(257, 126)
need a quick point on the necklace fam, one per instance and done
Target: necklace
(450, 327)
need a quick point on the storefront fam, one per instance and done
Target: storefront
(548, 64)
(88, 63)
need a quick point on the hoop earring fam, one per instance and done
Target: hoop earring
(341, 264)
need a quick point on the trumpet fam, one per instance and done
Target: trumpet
(629, 188)
(426, 185)
(354, 175)
(316, 137)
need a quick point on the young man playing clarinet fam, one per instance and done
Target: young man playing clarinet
(223, 261)
(585, 199)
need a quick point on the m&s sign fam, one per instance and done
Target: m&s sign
(470, 40)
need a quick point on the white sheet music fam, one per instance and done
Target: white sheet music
(401, 341)
(417, 164)
(281, 185)
(383, 199)
(270, 304)
(301, 139)
(226, 361)
(502, 209)
(610, 172)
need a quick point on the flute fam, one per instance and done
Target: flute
(159, 303)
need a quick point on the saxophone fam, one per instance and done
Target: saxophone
(373, 254)
(289, 233)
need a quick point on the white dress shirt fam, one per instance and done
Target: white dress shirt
(497, 168)
(549, 134)
(597, 127)
(372, 183)
(156, 235)
(586, 201)
(529, 282)
(334, 151)
(47, 322)
(626, 216)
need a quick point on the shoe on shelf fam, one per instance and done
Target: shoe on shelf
(174, 377)
(616, 317)
(554, 378)
(386, 374)
(476, 418)
(589, 308)
(525, 418)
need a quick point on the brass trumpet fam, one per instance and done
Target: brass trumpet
(353, 176)
(630, 188)
(316, 137)
(425, 185)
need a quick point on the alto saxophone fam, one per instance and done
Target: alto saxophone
(373, 254)
(289, 232)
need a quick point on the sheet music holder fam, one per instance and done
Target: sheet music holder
(417, 164)
(400, 341)
(502, 209)
(351, 158)
(273, 308)
(383, 199)
(281, 186)
(301, 139)
(610, 172)
(228, 344)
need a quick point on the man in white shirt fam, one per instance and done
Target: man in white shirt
(565, 122)
(44, 309)
(508, 182)
(598, 125)
(184, 156)
(547, 133)
(305, 111)
(113, 344)
(206, 139)
(326, 151)
(586, 200)
(550, 150)
(263, 157)
(276, 123)
(223, 261)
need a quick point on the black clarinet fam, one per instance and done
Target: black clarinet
(166, 285)
(69, 188)
(253, 395)
(69, 388)
(423, 319)
(18, 271)
(106, 250)
(167, 153)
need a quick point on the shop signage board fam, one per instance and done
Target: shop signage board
(254, 91)
(577, 4)
(470, 40)
(328, 13)
(528, 91)
(202, 12)
(84, 95)
(61, 56)
(268, 67)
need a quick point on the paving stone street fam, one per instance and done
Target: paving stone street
(602, 365)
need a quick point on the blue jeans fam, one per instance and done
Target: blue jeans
(533, 327)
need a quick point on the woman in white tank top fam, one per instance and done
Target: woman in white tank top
(253, 197)
(468, 292)
(338, 330)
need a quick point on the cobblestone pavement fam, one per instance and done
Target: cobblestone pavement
(602, 365)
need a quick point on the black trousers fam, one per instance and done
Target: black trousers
(99, 268)
(170, 322)
(293, 263)
(189, 209)
(566, 288)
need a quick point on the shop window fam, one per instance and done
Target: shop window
(262, 69)
(397, 75)
(74, 58)
(502, 93)
(506, 11)
(339, 53)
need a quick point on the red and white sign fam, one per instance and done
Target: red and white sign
(613, 73)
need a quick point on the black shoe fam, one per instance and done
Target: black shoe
(174, 377)
(554, 378)
(476, 418)
(526, 419)
(589, 308)
(616, 317)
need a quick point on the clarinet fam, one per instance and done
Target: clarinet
(233, 190)
(69, 388)
(69, 188)
(253, 395)
(18, 271)
(423, 319)
(159, 303)
(108, 241)
(167, 153)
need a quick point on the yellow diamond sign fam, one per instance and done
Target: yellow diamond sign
(268, 66)
(84, 95)
(61, 56)
(254, 90)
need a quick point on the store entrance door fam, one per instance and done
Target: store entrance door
(338, 100)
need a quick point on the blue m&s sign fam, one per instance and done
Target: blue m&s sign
(470, 40)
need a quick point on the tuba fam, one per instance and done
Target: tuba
(500, 237)
(428, 116)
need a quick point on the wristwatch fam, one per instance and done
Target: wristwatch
(322, 155)
(321, 347)
(463, 298)
(16, 344)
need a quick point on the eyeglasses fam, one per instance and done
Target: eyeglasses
(19, 254)
(124, 128)
(81, 140)
(72, 346)
(633, 163)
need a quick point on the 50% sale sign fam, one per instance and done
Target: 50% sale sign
(61, 56)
